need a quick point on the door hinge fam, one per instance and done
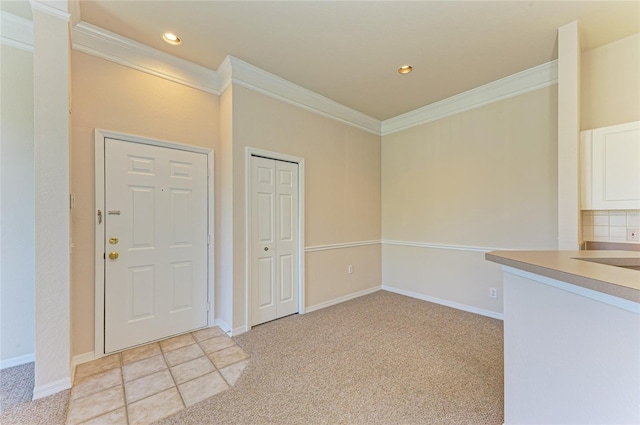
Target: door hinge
(208, 239)
(208, 307)
(208, 172)
(72, 201)
(104, 256)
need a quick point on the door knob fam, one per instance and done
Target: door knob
(113, 255)
(113, 241)
(266, 248)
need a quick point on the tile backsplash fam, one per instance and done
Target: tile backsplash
(609, 226)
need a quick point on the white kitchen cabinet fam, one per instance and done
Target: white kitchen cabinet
(610, 167)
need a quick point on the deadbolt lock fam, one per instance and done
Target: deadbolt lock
(113, 241)
(114, 255)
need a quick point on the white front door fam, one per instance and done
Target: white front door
(155, 243)
(274, 239)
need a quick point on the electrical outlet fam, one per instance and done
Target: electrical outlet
(493, 293)
(349, 269)
(632, 235)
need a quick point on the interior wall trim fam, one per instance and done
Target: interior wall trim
(343, 298)
(107, 45)
(531, 79)
(16, 31)
(341, 245)
(236, 71)
(17, 361)
(99, 42)
(452, 304)
(431, 245)
(50, 8)
(444, 246)
(51, 388)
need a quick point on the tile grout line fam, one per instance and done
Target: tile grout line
(89, 395)
(124, 390)
(184, 404)
(211, 361)
(121, 366)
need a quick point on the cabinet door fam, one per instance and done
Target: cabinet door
(616, 167)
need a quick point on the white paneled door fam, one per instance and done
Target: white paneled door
(274, 239)
(155, 243)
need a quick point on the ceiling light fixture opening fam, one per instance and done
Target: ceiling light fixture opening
(405, 69)
(172, 39)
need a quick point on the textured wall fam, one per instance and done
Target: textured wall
(51, 177)
(611, 84)
(342, 191)
(17, 302)
(113, 97)
(481, 178)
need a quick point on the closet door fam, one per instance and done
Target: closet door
(274, 239)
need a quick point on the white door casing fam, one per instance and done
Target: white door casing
(160, 284)
(274, 239)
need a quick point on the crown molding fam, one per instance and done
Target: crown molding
(16, 31)
(49, 7)
(96, 41)
(236, 71)
(99, 42)
(104, 44)
(531, 79)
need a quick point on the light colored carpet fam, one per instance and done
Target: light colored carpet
(16, 386)
(16, 391)
(379, 359)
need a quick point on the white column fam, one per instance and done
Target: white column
(568, 136)
(51, 68)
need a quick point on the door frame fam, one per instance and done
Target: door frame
(249, 152)
(100, 136)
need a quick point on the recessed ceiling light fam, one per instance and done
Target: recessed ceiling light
(172, 39)
(405, 69)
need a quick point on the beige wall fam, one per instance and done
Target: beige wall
(611, 84)
(113, 97)
(17, 284)
(342, 192)
(482, 178)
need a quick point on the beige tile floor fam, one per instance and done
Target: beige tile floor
(148, 383)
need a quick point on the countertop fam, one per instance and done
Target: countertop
(599, 274)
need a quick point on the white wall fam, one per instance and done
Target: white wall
(568, 359)
(485, 178)
(51, 86)
(17, 320)
(569, 229)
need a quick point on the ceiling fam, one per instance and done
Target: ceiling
(350, 51)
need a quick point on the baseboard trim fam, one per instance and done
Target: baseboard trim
(51, 388)
(17, 361)
(342, 299)
(223, 325)
(239, 330)
(79, 359)
(446, 303)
